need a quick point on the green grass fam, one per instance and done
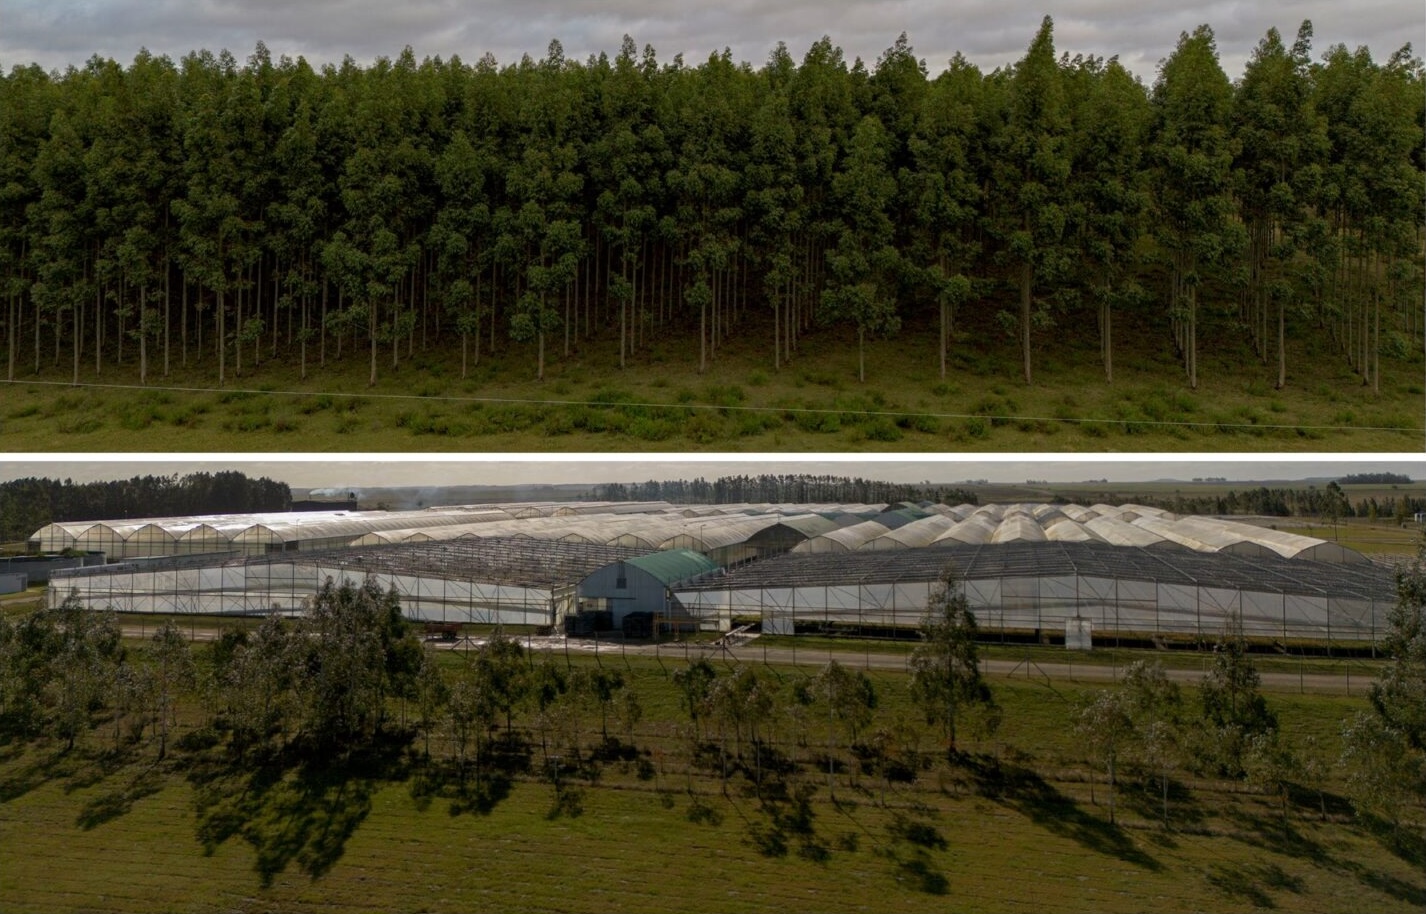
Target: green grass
(1361, 534)
(660, 402)
(90, 830)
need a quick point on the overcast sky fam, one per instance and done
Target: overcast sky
(58, 33)
(324, 470)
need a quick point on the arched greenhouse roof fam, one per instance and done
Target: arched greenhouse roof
(674, 566)
(916, 534)
(843, 539)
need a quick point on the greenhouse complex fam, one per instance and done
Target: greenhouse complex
(654, 567)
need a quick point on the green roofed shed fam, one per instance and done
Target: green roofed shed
(674, 566)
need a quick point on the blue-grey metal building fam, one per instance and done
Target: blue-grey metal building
(13, 581)
(645, 584)
(38, 567)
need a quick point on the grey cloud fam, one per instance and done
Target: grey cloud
(56, 34)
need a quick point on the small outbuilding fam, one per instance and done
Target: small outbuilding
(645, 585)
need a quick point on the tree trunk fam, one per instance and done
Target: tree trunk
(395, 321)
(861, 354)
(143, 338)
(167, 302)
(1111, 789)
(776, 332)
(1281, 343)
(183, 318)
(540, 369)
(788, 325)
(322, 328)
(945, 307)
(98, 330)
(10, 352)
(371, 335)
(1027, 277)
(1376, 346)
(1108, 344)
(1193, 338)
(222, 350)
(238, 326)
(78, 341)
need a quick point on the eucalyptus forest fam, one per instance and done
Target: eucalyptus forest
(213, 216)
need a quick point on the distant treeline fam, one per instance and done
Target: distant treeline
(1326, 502)
(792, 489)
(28, 504)
(1375, 479)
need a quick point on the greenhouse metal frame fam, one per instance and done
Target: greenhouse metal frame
(1039, 586)
(504, 581)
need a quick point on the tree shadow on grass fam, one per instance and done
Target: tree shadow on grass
(913, 837)
(1269, 833)
(291, 809)
(79, 769)
(1145, 797)
(471, 788)
(1029, 794)
(83, 767)
(478, 794)
(26, 776)
(568, 802)
(783, 822)
(482, 797)
(1399, 889)
(112, 804)
(1407, 844)
(308, 820)
(1250, 882)
(1404, 842)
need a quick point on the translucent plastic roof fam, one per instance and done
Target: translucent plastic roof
(976, 528)
(843, 539)
(899, 517)
(1200, 538)
(1269, 572)
(1064, 530)
(287, 526)
(706, 528)
(708, 533)
(915, 534)
(1018, 528)
(650, 532)
(472, 524)
(1121, 533)
(498, 560)
(809, 525)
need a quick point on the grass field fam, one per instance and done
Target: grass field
(660, 402)
(1367, 538)
(1014, 828)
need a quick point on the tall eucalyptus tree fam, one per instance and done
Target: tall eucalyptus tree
(1192, 154)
